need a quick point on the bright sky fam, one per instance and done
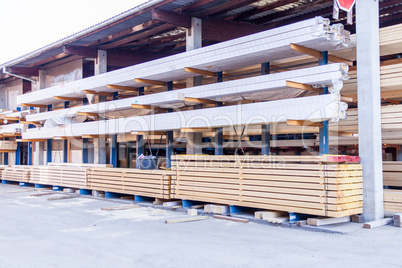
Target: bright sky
(27, 25)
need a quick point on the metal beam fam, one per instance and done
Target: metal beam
(324, 139)
(49, 150)
(85, 151)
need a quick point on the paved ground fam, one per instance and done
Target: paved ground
(75, 232)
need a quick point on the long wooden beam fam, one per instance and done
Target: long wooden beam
(150, 82)
(197, 100)
(302, 86)
(97, 93)
(33, 105)
(87, 114)
(199, 71)
(125, 88)
(147, 107)
(67, 98)
(318, 54)
(303, 123)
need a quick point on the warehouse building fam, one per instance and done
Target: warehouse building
(259, 104)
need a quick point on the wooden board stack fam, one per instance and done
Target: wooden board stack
(304, 184)
(2, 167)
(393, 200)
(75, 177)
(17, 173)
(392, 173)
(149, 183)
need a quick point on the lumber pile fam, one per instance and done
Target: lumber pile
(150, 183)
(2, 167)
(75, 177)
(7, 146)
(17, 173)
(392, 173)
(316, 185)
(393, 200)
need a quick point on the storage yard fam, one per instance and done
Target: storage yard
(209, 115)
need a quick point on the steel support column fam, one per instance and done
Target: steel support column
(324, 142)
(85, 150)
(49, 150)
(114, 150)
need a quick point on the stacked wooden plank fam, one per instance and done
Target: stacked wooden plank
(304, 184)
(75, 177)
(149, 183)
(2, 167)
(17, 173)
(7, 146)
(392, 173)
(393, 200)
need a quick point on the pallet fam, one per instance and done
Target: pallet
(301, 184)
(150, 183)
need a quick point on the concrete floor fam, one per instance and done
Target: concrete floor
(35, 232)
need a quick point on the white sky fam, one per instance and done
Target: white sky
(27, 25)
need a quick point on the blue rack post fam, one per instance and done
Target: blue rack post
(30, 153)
(324, 142)
(140, 138)
(65, 142)
(85, 150)
(169, 136)
(5, 155)
(114, 151)
(49, 150)
(18, 154)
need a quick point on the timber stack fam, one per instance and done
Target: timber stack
(305, 184)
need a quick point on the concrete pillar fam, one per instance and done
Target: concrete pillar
(194, 41)
(101, 62)
(194, 35)
(100, 143)
(2, 96)
(369, 106)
